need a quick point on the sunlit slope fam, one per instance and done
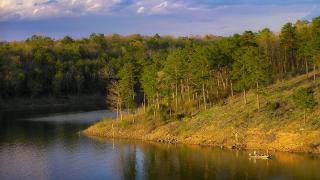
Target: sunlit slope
(278, 125)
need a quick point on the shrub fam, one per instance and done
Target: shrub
(164, 112)
(272, 106)
(304, 99)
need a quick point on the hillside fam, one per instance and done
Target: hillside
(278, 125)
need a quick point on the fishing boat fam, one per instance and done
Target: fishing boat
(260, 156)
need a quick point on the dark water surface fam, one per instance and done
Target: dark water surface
(45, 145)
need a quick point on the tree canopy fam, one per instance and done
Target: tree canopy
(177, 72)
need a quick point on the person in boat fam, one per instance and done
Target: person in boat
(255, 155)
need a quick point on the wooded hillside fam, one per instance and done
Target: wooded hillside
(165, 74)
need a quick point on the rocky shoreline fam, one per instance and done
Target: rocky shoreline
(283, 142)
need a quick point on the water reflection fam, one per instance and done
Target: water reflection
(157, 161)
(46, 145)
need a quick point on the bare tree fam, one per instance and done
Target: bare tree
(115, 99)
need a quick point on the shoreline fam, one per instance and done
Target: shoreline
(204, 145)
(52, 102)
(164, 141)
(157, 136)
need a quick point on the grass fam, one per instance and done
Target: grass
(278, 125)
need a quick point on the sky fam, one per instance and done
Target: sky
(20, 19)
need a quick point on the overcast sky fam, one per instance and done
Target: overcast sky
(20, 19)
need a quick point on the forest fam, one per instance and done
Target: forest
(162, 74)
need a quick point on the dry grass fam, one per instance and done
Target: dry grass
(277, 126)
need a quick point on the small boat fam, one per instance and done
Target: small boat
(260, 156)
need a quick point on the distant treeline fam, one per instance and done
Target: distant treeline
(41, 66)
(166, 71)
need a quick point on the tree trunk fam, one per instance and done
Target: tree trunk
(154, 108)
(144, 103)
(188, 91)
(120, 110)
(293, 64)
(307, 67)
(285, 60)
(304, 117)
(245, 96)
(258, 102)
(222, 81)
(204, 96)
(112, 130)
(208, 98)
(181, 90)
(117, 110)
(158, 102)
(314, 72)
(176, 95)
(258, 99)
(231, 87)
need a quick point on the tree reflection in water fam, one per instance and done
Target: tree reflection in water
(145, 160)
(37, 145)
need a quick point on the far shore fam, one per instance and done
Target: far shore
(52, 102)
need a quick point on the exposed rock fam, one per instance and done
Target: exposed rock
(238, 146)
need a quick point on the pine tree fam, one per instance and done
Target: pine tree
(251, 68)
(315, 44)
(127, 84)
(199, 67)
(174, 70)
(288, 42)
(149, 83)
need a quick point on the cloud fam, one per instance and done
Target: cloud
(140, 10)
(39, 9)
(221, 19)
(199, 9)
(175, 17)
(160, 7)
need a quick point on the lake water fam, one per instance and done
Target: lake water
(46, 145)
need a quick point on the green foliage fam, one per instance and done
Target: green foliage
(183, 73)
(175, 66)
(164, 112)
(148, 81)
(304, 98)
(248, 39)
(251, 67)
(315, 42)
(127, 85)
(304, 38)
(288, 42)
(199, 67)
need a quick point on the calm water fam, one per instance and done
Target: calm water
(45, 145)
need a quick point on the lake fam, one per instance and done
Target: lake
(45, 144)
